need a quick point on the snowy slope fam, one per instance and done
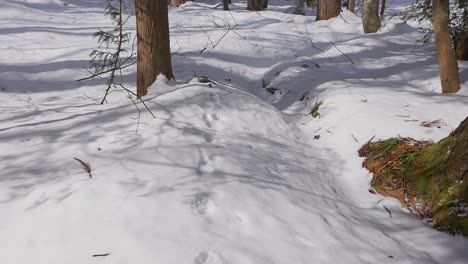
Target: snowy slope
(227, 172)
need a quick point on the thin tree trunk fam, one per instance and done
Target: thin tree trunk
(226, 5)
(256, 5)
(351, 5)
(382, 8)
(370, 16)
(327, 9)
(154, 55)
(462, 42)
(448, 66)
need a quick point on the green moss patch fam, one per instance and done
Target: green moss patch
(416, 173)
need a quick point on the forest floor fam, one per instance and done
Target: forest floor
(236, 171)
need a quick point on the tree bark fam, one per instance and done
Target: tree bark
(256, 5)
(327, 9)
(225, 5)
(456, 144)
(448, 66)
(154, 55)
(350, 5)
(370, 16)
(265, 4)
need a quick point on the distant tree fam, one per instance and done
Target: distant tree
(327, 9)
(370, 16)
(350, 5)
(225, 5)
(154, 56)
(462, 38)
(382, 8)
(448, 66)
(458, 23)
(299, 8)
(256, 5)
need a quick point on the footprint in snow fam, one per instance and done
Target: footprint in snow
(209, 257)
(203, 204)
(206, 162)
(210, 118)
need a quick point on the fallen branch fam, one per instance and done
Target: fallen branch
(342, 52)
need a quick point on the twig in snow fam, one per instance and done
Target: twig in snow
(388, 211)
(101, 255)
(342, 52)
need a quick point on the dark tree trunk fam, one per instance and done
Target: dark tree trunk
(382, 8)
(448, 66)
(462, 42)
(327, 9)
(370, 16)
(154, 55)
(226, 5)
(265, 4)
(256, 5)
(351, 5)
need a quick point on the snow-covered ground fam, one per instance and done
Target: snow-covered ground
(227, 172)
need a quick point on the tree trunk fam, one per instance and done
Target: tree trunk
(154, 55)
(226, 5)
(456, 144)
(448, 66)
(256, 5)
(265, 4)
(327, 9)
(462, 42)
(382, 8)
(350, 5)
(370, 16)
(176, 2)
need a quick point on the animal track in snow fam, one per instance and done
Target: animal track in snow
(206, 162)
(209, 257)
(203, 204)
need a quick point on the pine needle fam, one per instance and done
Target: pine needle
(85, 166)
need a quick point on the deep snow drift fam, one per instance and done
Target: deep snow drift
(227, 172)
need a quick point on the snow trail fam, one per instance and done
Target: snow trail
(227, 172)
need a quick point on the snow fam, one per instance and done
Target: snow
(227, 172)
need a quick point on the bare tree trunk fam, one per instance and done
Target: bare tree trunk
(382, 8)
(177, 2)
(226, 5)
(154, 55)
(370, 16)
(351, 5)
(462, 43)
(256, 5)
(448, 66)
(265, 4)
(327, 9)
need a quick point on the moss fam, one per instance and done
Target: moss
(421, 170)
(315, 110)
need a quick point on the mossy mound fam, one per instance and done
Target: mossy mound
(424, 177)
